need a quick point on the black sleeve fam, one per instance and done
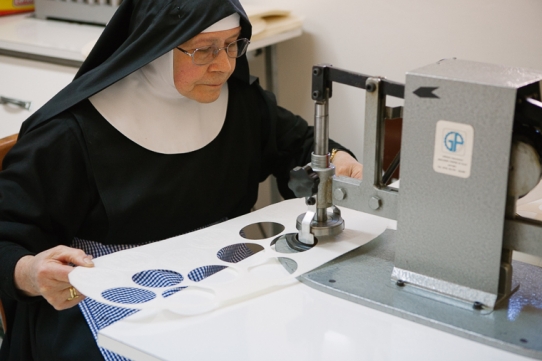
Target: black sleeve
(44, 194)
(294, 140)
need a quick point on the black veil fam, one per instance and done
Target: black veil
(139, 32)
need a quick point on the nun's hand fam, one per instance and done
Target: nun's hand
(46, 275)
(346, 165)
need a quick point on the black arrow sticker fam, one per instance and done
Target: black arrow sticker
(426, 92)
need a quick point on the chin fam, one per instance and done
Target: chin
(206, 98)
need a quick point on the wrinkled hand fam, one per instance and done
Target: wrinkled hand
(346, 165)
(46, 274)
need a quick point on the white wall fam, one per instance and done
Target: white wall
(391, 37)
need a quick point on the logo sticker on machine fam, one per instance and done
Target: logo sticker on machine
(453, 148)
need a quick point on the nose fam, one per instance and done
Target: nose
(222, 62)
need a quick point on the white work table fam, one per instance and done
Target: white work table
(296, 323)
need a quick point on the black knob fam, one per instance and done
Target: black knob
(303, 181)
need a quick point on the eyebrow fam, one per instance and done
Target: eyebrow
(199, 43)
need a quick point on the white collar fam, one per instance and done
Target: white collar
(147, 109)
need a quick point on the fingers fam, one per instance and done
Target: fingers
(346, 165)
(46, 274)
(74, 256)
(350, 169)
(357, 171)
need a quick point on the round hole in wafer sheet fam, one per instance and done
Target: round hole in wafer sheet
(157, 278)
(237, 252)
(172, 291)
(214, 274)
(261, 230)
(128, 295)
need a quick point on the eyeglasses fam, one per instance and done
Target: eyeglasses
(204, 56)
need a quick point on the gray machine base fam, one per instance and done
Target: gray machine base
(364, 276)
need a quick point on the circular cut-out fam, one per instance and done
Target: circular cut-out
(273, 269)
(157, 278)
(261, 230)
(172, 291)
(237, 252)
(284, 243)
(128, 295)
(192, 301)
(226, 275)
(201, 273)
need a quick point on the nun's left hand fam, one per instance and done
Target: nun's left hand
(346, 165)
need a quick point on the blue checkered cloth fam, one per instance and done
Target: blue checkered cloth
(99, 315)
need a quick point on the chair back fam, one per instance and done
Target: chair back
(5, 145)
(3, 318)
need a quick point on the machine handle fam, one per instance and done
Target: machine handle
(304, 181)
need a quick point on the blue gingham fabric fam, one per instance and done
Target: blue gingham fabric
(234, 253)
(128, 295)
(201, 273)
(157, 278)
(99, 315)
(172, 291)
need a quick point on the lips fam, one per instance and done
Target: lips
(214, 84)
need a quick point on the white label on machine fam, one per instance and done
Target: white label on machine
(453, 148)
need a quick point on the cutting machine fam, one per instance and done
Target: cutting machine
(471, 146)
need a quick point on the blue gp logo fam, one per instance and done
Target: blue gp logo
(453, 141)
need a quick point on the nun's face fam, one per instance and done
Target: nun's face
(204, 82)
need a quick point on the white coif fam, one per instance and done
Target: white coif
(147, 109)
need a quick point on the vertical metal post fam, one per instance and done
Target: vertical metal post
(373, 152)
(320, 158)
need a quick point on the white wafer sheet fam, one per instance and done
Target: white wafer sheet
(189, 274)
